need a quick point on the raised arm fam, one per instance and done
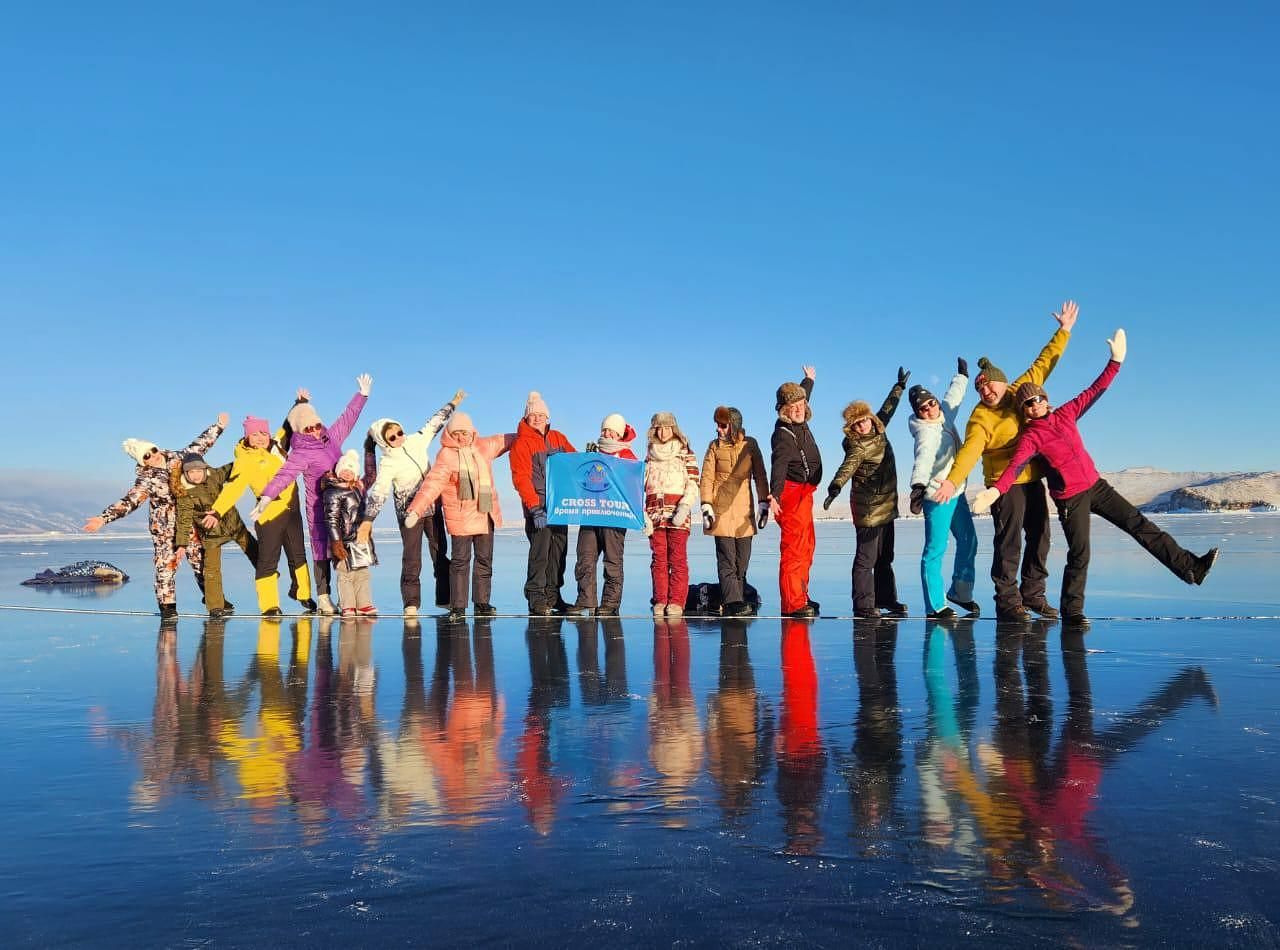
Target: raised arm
(441, 416)
(1044, 364)
(343, 425)
(955, 393)
(204, 441)
(890, 404)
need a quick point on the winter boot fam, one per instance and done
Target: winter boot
(1204, 563)
(325, 605)
(302, 583)
(411, 611)
(268, 595)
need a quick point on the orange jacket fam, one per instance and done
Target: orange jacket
(529, 461)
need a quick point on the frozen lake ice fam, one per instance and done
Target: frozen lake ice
(579, 782)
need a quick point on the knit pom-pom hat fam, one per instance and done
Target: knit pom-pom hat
(303, 415)
(137, 448)
(990, 372)
(614, 422)
(459, 422)
(917, 395)
(535, 403)
(350, 462)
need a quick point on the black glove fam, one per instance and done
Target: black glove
(592, 447)
(832, 495)
(539, 515)
(962, 366)
(917, 499)
(903, 376)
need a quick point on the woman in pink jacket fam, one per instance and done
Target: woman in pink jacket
(1079, 491)
(462, 476)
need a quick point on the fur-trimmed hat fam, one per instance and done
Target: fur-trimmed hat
(350, 461)
(990, 372)
(789, 393)
(1028, 390)
(614, 422)
(731, 418)
(459, 422)
(665, 419)
(860, 410)
(303, 415)
(253, 424)
(917, 395)
(535, 403)
(137, 448)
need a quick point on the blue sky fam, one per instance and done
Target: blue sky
(632, 209)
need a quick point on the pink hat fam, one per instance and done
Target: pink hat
(253, 424)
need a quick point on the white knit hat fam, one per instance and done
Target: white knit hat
(136, 448)
(458, 422)
(614, 422)
(535, 403)
(303, 415)
(349, 461)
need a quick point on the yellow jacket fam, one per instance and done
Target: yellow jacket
(992, 433)
(254, 468)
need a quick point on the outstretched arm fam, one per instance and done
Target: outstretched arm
(343, 425)
(132, 499)
(890, 404)
(441, 416)
(1045, 363)
(204, 441)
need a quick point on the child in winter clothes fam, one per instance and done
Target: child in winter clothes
(548, 544)
(343, 497)
(1078, 490)
(152, 483)
(258, 457)
(795, 471)
(462, 477)
(670, 493)
(729, 514)
(593, 542)
(195, 487)
(933, 426)
(873, 475)
(313, 450)
(404, 465)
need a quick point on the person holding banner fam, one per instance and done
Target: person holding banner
(795, 473)
(462, 478)
(616, 437)
(548, 544)
(670, 492)
(733, 463)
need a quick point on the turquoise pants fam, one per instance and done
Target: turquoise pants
(952, 518)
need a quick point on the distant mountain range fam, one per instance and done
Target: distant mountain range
(44, 503)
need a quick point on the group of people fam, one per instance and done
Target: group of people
(451, 502)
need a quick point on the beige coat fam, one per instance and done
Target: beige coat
(727, 474)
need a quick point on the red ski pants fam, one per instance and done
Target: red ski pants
(670, 566)
(796, 551)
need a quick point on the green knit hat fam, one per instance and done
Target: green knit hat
(990, 372)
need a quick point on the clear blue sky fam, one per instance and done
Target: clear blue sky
(666, 206)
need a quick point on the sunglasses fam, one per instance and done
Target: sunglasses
(146, 456)
(722, 425)
(1034, 400)
(398, 434)
(929, 404)
(314, 427)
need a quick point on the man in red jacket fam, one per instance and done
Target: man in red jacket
(548, 544)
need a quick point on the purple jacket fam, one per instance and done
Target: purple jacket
(311, 456)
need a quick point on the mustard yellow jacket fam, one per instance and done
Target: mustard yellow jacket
(254, 468)
(992, 432)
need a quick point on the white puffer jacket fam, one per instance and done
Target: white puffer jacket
(937, 441)
(402, 469)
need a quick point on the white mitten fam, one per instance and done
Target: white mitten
(708, 516)
(1119, 346)
(985, 499)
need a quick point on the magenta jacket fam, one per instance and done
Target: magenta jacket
(1056, 439)
(311, 457)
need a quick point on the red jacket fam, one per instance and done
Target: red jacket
(1056, 439)
(529, 462)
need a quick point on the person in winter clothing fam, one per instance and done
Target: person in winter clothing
(933, 426)
(462, 478)
(548, 544)
(151, 483)
(400, 473)
(1078, 490)
(195, 488)
(258, 457)
(732, 464)
(616, 437)
(313, 450)
(343, 497)
(795, 471)
(1023, 512)
(670, 493)
(872, 473)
